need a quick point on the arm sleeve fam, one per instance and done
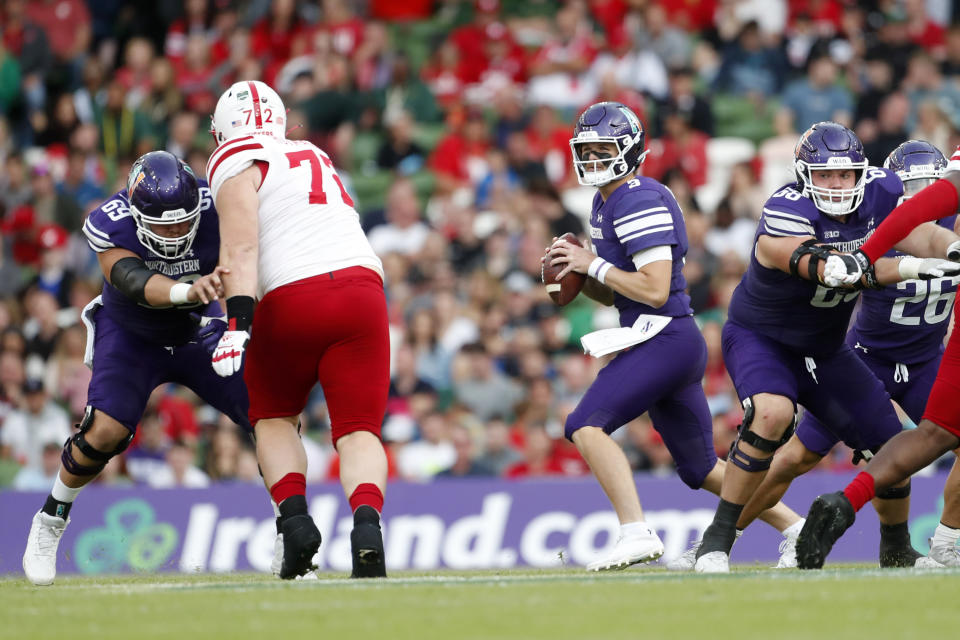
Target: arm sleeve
(936, 201)
(653, 254)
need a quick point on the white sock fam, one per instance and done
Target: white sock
(945, 536)
(634, 529)
(276, 509)
(794, 530)
(739, 533)
(63, 493)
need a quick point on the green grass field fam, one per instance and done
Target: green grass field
(846, 602)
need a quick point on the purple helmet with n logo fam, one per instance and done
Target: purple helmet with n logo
(163, 190)
(607, 122)
(829, 146)
(917, 163)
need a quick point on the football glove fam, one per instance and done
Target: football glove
(228, 355)
(845, 268)
(209, 331)
(912, 268)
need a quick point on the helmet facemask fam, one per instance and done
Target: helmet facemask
(165, 247)
(601, 171)
(834, 202)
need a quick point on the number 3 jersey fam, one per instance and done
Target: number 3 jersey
(905, 322)
(799, 313)
(307, 223)
(111, 226)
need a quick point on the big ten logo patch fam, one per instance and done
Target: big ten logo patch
(130, 538)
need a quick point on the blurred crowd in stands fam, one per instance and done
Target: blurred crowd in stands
(449, 122)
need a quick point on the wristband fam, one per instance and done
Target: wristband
(598, 269)
(239, 313)
(178, 293)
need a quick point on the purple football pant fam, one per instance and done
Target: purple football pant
(126, 369)
(663, 376)
(908, 385)
(839, 389)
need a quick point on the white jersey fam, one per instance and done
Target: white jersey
(308, 225)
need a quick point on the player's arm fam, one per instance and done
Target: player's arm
(649, 284)
(800, 256)
(598, 292)
(128, 273)
(939, 200)
(237, 205)
(928, 240)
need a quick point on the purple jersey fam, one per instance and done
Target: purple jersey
(798, 313)
(112, 226)
(638, 215)
(906, 322)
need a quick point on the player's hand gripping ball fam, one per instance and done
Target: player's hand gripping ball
(566, 289)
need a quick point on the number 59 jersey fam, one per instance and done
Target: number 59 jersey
(307, 223)
(906, 322)
(799, 313)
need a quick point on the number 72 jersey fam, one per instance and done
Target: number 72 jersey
(307, 223)
(906, 322)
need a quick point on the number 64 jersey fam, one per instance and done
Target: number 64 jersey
(307, 223)
(798, 313)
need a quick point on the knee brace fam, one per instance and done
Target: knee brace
(894, 493)
(79, 440)
(746, 461)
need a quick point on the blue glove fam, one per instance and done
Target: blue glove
(209, 331)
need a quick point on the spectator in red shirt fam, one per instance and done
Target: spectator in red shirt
(549, 143)
(68, 27)
(924, 31)
(276, 38)
(446, 74)
(558, 69)
(471, 38)
(538, 456)
(345, 29)
(134, 75)
(195, 74)
(459, 159)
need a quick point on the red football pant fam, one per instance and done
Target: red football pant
(943, 405)
(331, 329)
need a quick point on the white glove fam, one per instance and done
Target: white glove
(228, 356)
(953, 251)
(841, 269)
(912, 268)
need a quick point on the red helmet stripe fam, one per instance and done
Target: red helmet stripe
(258, 121)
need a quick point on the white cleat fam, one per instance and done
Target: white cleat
(713, 562)
(277, 561)
(687, 560)
(788, 554)
(40, 557)
(940, 556)
(628, 551)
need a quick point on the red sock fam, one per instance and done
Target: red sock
(367, 494)
(860, 490)
(292, 484)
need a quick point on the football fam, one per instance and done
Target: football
(562, 291)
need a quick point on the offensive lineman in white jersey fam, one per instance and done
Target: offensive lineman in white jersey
(292, 241)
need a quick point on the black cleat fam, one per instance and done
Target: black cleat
(301, 539)
(366, 542)
(830, 515)
(898, 556)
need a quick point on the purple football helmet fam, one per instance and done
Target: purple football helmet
(917, 163)
(828, 146)
(607, 122)
(163, 190)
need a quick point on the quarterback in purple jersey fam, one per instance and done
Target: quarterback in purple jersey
(158, 245)
(784, 344)
(638, 232)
